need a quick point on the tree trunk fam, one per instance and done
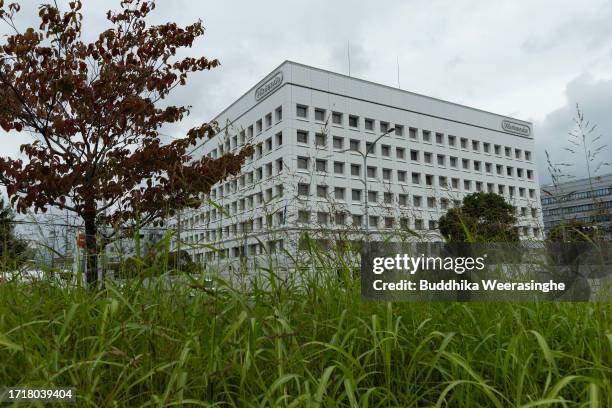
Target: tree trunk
(91, 248)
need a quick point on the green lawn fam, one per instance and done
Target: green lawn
(316, 344)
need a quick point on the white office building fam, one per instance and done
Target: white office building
(308, 124)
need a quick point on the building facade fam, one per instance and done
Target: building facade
(308, 125)
(584, 200)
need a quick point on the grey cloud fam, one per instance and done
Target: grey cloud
(595, 100)
(470, 52)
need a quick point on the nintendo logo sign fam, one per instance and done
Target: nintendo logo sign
(269, 86)
(516, 128)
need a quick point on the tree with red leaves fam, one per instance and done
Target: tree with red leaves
(95, 111)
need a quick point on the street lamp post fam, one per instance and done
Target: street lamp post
(365, 178)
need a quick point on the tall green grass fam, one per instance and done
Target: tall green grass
(299, 343)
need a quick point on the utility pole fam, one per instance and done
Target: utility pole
(365, 155)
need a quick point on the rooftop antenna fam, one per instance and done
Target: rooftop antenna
(348, 52)
(398, 80)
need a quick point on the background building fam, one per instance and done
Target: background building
(306, 125)
(588, 201)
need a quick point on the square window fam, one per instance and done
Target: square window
(278, 112)
(321, 165)
(368, 124)
(475, 145)
(387, 174)
(441, 160)
(416, 178)
(320, 115)
(453, 161)
(452, 140)
(338, 142)
(403, 199)
(388, 198)
(337, 118)
(497, 149)
(303, 190)
(413, 133)
(353, 121)
(302, 111)
(354, 145)
(465, 163)
(355, 169)
(527, 155)
(400, 153)
(399, 130)
(414, 155)
(486, 147)
(357, 220)
(321, 191)
(439, 138)
(302, 163)
(389, 221)
(322, 218)
(426, 136)
(401, 176)
(303, 216)
(356, 195)
(467, 185)
(338, 167)
(477, 165)
(372, 196)
(340, 218)
(431, 202)
(373, 221)
(385, 150)
(517, 153)
(416, 201)
(302, 136)
(427, 157)
(370, 147)
(384, 127)
(464, 143)
(371, 171)
(339, 193)
(429, 179)
(320, 139)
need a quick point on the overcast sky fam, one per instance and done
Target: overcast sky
(533, 60)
